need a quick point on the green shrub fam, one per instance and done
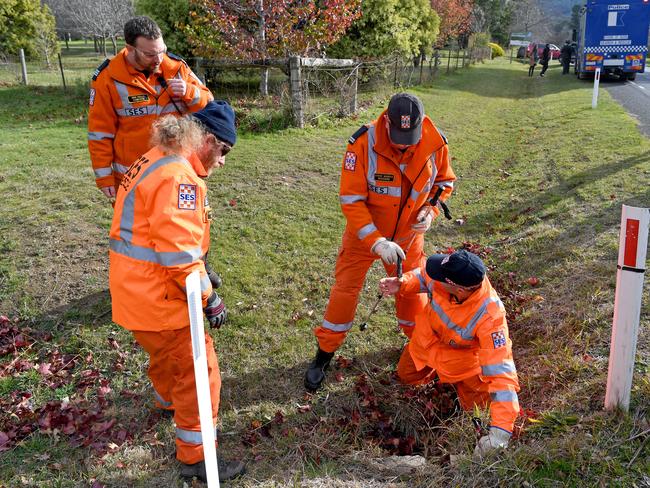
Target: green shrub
(496, 50)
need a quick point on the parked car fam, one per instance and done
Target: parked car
(555, 51)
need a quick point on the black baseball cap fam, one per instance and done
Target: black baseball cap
(405, 112)
(459, 268)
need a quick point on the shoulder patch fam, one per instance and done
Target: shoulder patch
(176, 57)
(187, 196)
(362, 130)
(443, 136)
(498, 339)
(100, 68)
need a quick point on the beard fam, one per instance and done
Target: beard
(147, 64)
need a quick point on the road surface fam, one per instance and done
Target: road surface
(634, 96)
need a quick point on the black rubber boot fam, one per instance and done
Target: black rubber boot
(227, 470)
(213, 276)
(315, 373)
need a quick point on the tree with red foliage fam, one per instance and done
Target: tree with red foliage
(261, 29)
(455, 18)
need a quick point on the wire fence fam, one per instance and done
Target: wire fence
(319, 90)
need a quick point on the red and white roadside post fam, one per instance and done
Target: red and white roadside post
(193, 290)
(594, 98)
(633, 244)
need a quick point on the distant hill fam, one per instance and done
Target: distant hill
(560, 8)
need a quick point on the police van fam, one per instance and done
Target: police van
(613, 36)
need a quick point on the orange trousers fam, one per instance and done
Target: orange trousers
(471, 391)
(171, 370)
(351, 269)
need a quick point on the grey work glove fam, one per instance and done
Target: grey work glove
(215, 311)
(496, 439)
(387, 250)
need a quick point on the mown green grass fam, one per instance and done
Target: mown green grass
(542, 177)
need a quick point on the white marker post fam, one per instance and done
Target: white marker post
(193, 287)
(594, 98)
(633, 244)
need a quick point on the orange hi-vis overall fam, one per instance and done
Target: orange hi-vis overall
(160, 231)
(124, 104)
(382, 190)
(466, 344)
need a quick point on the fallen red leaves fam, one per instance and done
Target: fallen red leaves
(81, 415)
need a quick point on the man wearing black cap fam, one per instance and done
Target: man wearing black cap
(392, 169)
(461, 337)
(160, 231)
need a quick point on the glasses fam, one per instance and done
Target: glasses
(151, 55)
(225, 148)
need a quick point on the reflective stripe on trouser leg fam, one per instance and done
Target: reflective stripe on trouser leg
(161, 402)
(349, 274)
(408, 373)
(186, 408)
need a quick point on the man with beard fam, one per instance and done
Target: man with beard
(129, 93)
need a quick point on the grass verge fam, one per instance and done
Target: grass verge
(542, 177)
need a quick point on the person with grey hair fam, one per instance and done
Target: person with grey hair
(160, 230)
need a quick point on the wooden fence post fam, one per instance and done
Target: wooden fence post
(395, 74)
(23, 66)
(62, 74)
(355, 86)
(295, 81)
(448, 59)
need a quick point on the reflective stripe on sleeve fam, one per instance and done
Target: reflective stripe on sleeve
(205, 283)
(504, 396)
(149, 255)
(507, 366)
(347, 199)
(337, 327)
(405, 323)
(120, 168)
(366, 230)
(197, 95)
(98, 136)
(101, 172)
(423, 282)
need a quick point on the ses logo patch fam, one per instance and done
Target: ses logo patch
(498, 339)
(187, 197)
(350, 161)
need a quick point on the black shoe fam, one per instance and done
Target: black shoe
(315, 373)
(227, 470)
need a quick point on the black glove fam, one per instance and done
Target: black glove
(215, 311)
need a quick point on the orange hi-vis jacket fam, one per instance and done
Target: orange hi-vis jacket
(382, 189)
(124, 105)
(462, 340)
(160, 231)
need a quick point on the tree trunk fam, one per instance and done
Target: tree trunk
(103, 45)
(114, 45)
(264, 82)
(95, 44)
(261, 35)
